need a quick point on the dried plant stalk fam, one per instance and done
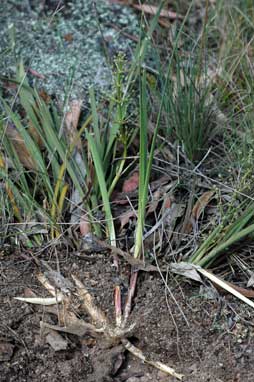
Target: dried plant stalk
(89, 306)
(159, 365)
(118, 308)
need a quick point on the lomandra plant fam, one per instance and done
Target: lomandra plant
(42, 159)
(34, 167)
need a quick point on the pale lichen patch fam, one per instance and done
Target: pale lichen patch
(69, 45)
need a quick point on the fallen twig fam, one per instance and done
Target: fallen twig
(159, 365)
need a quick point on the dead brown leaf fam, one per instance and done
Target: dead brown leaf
(9, 84)
(198, 208)
(20, 147)
(167, 203)
(155, 201)
(174, 212)
(35, 135)
(120, 197)
(125, 217)
(201, 204)
(131, 184)
(186, 270)
(245, 292)
(165, 23)
(158, 195)
(149, 9)
(36, 74)
(68, 37)
(84, 226)
(152, 10)
(71, 123)
(45, 96)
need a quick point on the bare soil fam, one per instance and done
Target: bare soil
(205, 336)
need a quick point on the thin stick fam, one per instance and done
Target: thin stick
(159, 365)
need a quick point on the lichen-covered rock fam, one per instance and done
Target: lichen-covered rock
(66, 44)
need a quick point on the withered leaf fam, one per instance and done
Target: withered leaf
(187, 270)
(20, 147)
(71, 123)
(152, 10)
(126, 216)
(131, 184)
(84, 227)
(201, 204)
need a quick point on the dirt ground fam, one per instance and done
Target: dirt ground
(207, 337)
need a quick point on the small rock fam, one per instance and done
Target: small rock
(6, 351)
(56, 341)
(133, 379)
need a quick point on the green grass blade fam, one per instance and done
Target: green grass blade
(103, 188)
(95, 119)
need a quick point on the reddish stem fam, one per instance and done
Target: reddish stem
(131, 292)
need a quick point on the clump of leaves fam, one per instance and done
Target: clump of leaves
(191, 114)
(36, 162)
(45, 157)
(235, 91)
